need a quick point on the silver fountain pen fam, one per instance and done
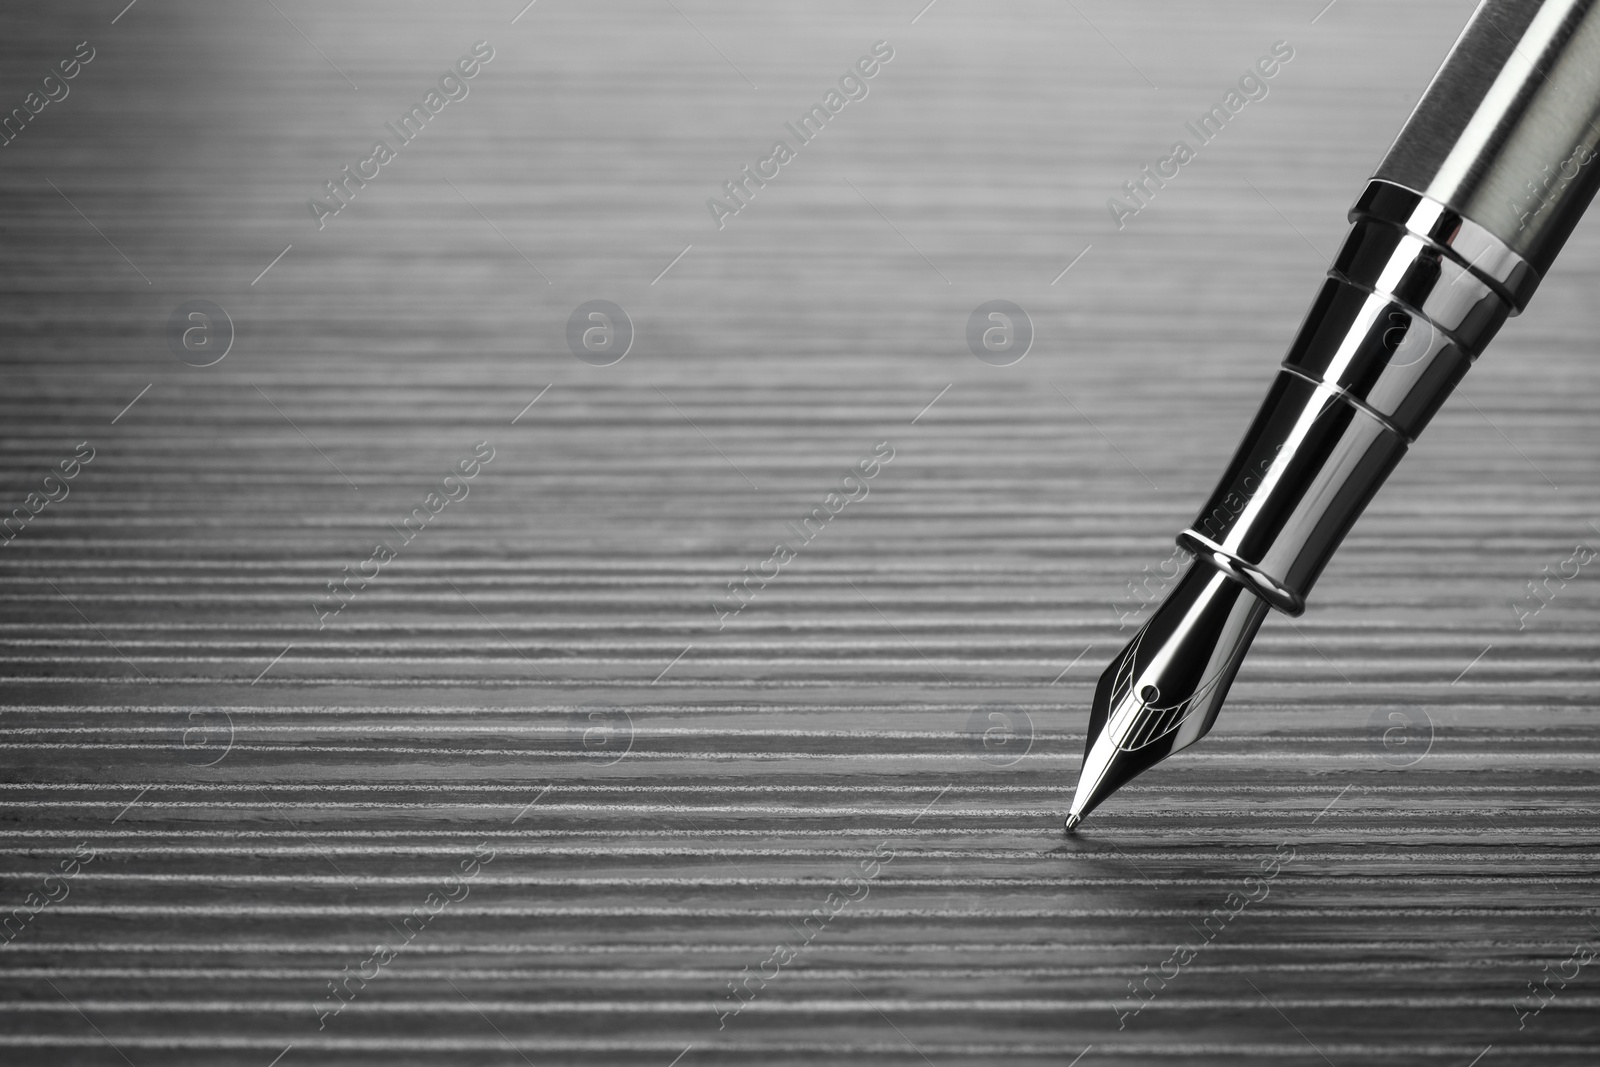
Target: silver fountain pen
(1453, 233)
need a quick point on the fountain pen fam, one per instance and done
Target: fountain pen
(1452, 234)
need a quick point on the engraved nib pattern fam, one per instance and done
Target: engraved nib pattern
(1163, 691)
(1144, 718)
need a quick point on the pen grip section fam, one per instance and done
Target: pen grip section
(1306, 469)
(1391, 332)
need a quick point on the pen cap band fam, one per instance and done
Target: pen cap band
(1464, 241)
(1506, 134)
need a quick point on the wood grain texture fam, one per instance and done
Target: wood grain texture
(539, 674)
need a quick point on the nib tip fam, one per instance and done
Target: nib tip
(1072, 822)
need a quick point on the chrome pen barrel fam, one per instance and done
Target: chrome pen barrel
(1505, 134)
(1453, 234)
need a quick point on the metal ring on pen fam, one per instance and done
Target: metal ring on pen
(1469, 244)
(1473, 351)
(1251, 577)
(1356, 402)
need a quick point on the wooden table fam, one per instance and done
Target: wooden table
(522, 796)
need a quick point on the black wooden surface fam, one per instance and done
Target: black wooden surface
(539, 675)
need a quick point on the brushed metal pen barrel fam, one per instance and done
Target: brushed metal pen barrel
(1459, 224)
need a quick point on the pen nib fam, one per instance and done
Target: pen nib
(1162, 692)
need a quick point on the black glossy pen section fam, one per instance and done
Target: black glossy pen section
(1380, 352)
(1383, 258)
(1301, 477)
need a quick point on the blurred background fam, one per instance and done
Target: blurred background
(272, 793)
